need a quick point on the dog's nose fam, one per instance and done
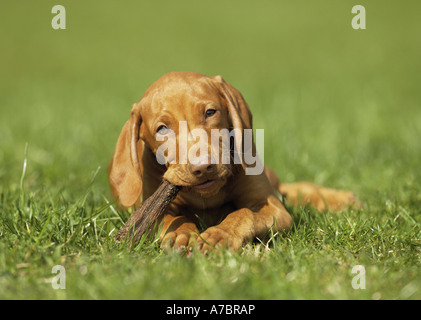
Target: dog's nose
(202, 166)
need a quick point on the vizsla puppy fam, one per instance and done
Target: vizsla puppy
(237, 206)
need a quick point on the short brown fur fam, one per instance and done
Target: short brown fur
(238, 207)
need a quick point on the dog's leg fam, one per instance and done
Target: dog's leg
(244, 224)
(301, 193)
(177, 233)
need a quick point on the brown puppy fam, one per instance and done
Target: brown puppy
(238, 206)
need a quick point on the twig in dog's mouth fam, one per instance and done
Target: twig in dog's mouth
(148, 213)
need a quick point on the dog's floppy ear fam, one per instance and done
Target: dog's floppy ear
(238, 111)
(124, 172)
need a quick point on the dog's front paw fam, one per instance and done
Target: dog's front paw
(179, 240)
(218, 237)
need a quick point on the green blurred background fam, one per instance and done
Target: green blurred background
(327, 96)
(340, 107)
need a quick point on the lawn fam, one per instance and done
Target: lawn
(339, 107)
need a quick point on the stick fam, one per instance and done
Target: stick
(150, 210)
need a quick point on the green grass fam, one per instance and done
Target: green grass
(339, 107)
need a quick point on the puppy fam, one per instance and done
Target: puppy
(170, 135)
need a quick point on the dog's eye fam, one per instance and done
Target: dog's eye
(162, 130)
(210, 113)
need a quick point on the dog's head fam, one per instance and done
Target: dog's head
(187, 120)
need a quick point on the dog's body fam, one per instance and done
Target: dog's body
(237, 206)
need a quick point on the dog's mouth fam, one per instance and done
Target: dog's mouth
(205, 189)
(205, 185)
